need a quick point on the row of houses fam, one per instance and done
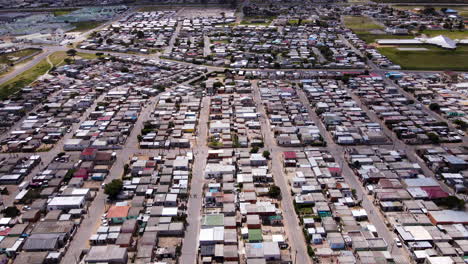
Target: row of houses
(287, 115)
(51, 207)
(147, 221)
(241, 217)
(336, 227)
(402, 115)
(438, 89)
(174, 120)
(234, 119)
(141, 32)
(342, 116)
(409, 201)
(449, 163)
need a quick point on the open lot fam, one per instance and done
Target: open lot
(455, 34)
(85, 25)
(23, 79)
(433, 59)
(4, 58)
(29, 76)
(361, 24)
(371, 38)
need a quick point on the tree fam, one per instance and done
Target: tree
(71, 53)
(109, 41)
(452, 202)
(11, 211)
(113, 188)
(461, 25)
(99, 54)
(266, 154)
(274, 192)
(67, 60)
(461, 124)
(140, 34)
(434, 107)
(433, 137)
(254, 149)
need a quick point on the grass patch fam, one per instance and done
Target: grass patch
(432, 59)
(23, 79)
(251, 20)
(224, 41)
(371, 38)
(455, 34)
(27, 77)
(62, 12)
(361, 24)
(85, 25)
(20, 54)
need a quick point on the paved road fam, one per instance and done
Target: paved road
(337, 152)
(291, 223)
(194, 207)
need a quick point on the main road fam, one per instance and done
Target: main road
(194, 207)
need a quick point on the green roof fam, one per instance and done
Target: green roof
(255, 235)
(213, 220)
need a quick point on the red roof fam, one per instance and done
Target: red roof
(290, 155)
(5, 232)
(89, 151)
(435, 192)
(118, 211)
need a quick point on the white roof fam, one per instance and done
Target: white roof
(69, 200)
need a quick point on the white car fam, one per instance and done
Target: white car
(398, 242)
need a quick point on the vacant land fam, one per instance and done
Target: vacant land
(371, 38)
(4, 58)
(62, 12)
(29, 76)
(23, 79)
(455, 34)
(361, 24)
(85, 25)
(432, 59)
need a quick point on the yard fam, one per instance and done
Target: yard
(85, 25)
(432, 59)
(361, 24)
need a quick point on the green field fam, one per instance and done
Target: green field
(361, 24)
(20, 54)
(29, 76)
(23, 79)
(62, 12)
(370, 38)
(432, 59)
(455, 34)
(85, 25)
